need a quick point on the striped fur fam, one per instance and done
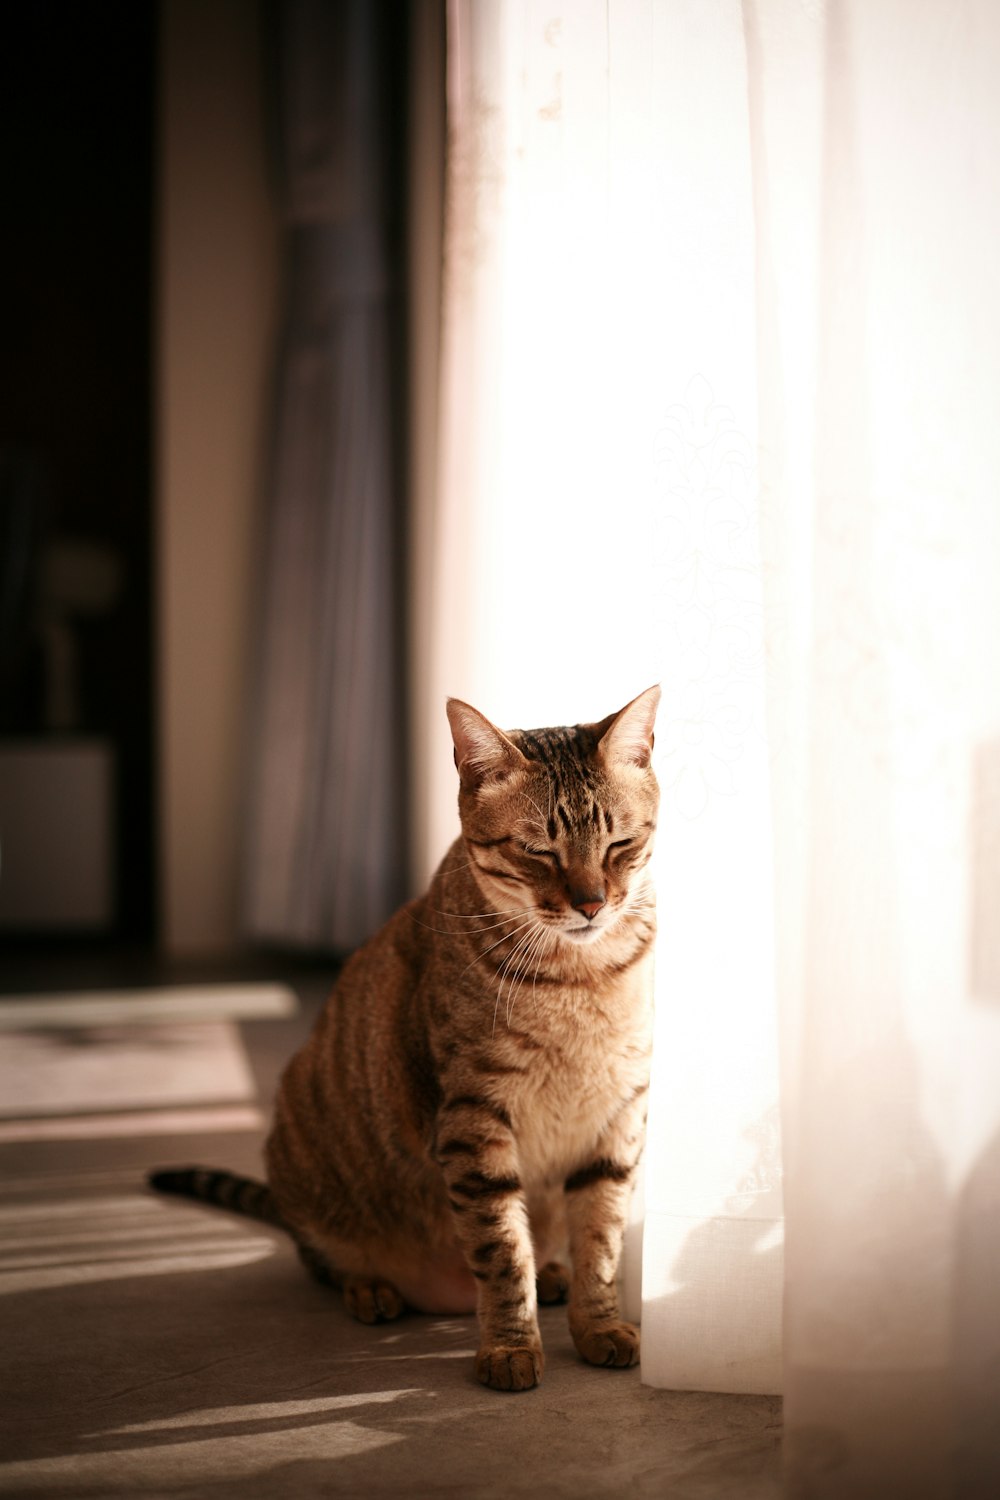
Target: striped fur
(241, 1195)
(468, 1112)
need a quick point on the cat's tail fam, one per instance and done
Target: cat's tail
(240, 1195)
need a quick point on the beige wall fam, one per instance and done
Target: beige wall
(217, 269)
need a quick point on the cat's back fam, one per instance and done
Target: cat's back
(361, 1089)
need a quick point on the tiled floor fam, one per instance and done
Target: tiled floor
(151, 1348)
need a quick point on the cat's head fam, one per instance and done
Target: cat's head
(559, 822)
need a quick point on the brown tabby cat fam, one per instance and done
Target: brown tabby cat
(472, 1100)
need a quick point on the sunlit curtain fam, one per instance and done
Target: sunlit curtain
(325, 860)
(720, 363)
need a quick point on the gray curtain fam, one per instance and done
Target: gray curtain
(326, 853)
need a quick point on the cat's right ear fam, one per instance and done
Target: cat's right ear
(627, 736)
(482, 751)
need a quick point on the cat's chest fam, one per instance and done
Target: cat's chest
(575, 1078)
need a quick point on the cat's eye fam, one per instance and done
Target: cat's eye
(540, 853)
(620, 844)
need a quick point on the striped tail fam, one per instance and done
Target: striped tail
(240, 1195)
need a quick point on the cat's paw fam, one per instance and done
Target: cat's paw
(552, 1282)
(372, 1301)
(615, 1345)
(510, 1367)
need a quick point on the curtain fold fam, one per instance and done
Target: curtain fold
(883, 539)
(720, 364)
(326, 856)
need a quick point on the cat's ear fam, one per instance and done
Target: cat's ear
(626, 738)
(482, 750)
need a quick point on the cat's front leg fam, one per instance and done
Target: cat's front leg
(475, 1149)
(597, 1203)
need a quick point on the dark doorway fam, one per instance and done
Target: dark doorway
(77, 683)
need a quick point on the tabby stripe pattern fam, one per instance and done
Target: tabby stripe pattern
(486, 1197)
(241, 1195)
(595, 1171)
(478, 1102)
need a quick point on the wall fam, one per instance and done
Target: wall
(425, 228)
(215, 320)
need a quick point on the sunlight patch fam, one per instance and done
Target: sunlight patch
(45, 1278)
(202, 1120)
(219, 1416)
(129, 1471)
(73, 1243)
(115, 1067)
(356, 1359)
(178, 1002)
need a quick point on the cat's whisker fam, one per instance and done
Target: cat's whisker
(546, 949)
(639, 901)
(503, 967)
(635, 903)
(502, 939)
(458, 931)
(444, 932)
(513, 961)
(544, 946)
(490, 926)
(472, 916)
(503, 917)
(514, 970)
(532, 951)
(466, 864)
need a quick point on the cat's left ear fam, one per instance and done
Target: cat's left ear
(482, 751)
(626, 738)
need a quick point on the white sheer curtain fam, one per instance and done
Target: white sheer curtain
(721, 358)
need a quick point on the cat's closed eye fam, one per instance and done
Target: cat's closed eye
(547, 854)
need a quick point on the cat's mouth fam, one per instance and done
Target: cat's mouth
(584, 934)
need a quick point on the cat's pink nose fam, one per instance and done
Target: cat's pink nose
(589, 908)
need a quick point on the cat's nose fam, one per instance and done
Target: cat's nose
(590, 904)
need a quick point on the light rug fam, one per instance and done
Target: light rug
(130, 1063)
